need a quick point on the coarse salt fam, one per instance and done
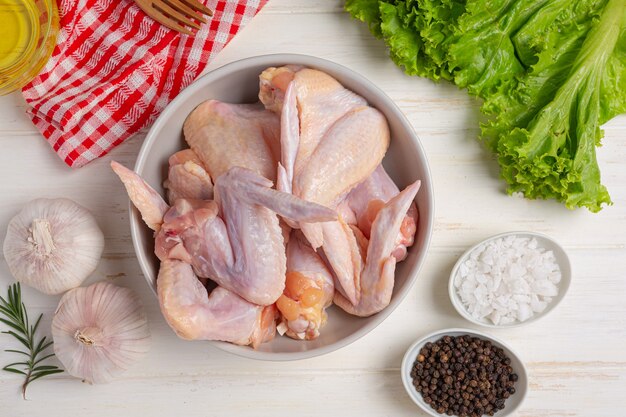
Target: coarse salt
(507, 280)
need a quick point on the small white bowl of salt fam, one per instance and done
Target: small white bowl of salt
(510, 279)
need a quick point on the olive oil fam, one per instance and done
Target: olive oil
(28, 30)
(18, 31)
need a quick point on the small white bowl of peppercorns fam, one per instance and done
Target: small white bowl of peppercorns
(465, 373)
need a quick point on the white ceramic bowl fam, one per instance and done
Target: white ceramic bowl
(512, 403)
(238, 83)
(545, 242)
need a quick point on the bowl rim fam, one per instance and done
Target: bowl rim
(407, 364)
(136, 223)
(566, 280)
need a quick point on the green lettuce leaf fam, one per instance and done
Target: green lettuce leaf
(546, 124)
(406, 47)
(417, 32)
(437, 24)
(483, 54)
(550, 72)
(366, 11)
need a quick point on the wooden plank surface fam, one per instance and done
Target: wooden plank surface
(576, 356)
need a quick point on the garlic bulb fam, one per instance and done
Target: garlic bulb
(53, 245)
(99, 331)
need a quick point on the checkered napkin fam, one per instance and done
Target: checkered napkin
(114, 69)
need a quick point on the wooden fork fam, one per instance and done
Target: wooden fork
(179, 15)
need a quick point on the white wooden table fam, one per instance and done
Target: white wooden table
(576, 356)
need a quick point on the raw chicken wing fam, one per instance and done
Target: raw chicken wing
(226, 135)
(372, 287)
(331, 140)
(235, 240)
(187, 178)
(194, 314)
(369, 197)
(309, 290)
(188, 308)
(149, 203)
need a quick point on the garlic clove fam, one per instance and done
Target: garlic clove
(100, 331)
(52, 245)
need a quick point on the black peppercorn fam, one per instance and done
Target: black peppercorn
(463, 376)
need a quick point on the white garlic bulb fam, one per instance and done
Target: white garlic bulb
(53, 245)
(100, 331)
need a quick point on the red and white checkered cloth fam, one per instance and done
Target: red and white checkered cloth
(114, 69)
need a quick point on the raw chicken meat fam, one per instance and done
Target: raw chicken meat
(331, 140)
(187, 178)
(226, 135)
(309, 290)
(344, 255)
(225, 239)
(228, 249)
(346, 241)
(371, 286)
(366, 200)
(189, 309)
(323, 146)
(195, 314)
(150, 204)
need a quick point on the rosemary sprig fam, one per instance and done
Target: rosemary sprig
(17, 319)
